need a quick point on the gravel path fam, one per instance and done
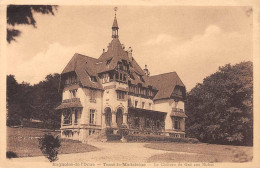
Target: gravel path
(108, 153)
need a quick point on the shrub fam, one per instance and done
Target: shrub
(10, 154)
(49, 146)
(160, 138)
(113, 137)
(13, 122)
(123, 131)
(109, 131)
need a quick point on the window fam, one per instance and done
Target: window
(76, 117)
(124, 77)
(143, 103)
(121, 67)
(92, 94)
(67, 117)
(108, 61)
(105, 78)
(117, 76)
(150, 106)
(71, 80)
(73, 93)
(136, 103)
(120, 95)
(111, 76)
(121, 77)
(136, 122)
(108, 119)
(93, 78)
(131, 76)
(176, 124)
(92, 116)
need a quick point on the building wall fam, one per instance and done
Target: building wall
(164, 106)
(140, 100)
(95, 105)
(108, 98)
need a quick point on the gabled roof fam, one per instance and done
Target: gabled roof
(165, 84)
(84, 67)
(116, 53)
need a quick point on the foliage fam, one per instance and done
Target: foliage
(220, 110)
(13, 121)
(34, 102)
(113, 137)
(109, 131)
(10, 154)
(123, 131)
(23, 14)
(50, 146)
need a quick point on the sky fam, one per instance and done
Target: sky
(193, 41)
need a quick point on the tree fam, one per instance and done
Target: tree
(220, 110)
(23, 14)
(47, 96)
(49, 146)
(38, 101)
(13, 109)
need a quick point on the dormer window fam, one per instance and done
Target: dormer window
(108, 61)
(141, 78)
(93, 78)
(132, 77)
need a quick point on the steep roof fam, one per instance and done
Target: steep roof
(115, 53)
(84, 67)
(115, 25)
(165, 84)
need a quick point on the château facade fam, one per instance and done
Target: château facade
(114, 90)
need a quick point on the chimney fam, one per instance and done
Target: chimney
(129, 51)
(146, 71)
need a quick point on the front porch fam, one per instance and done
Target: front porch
(139, 121)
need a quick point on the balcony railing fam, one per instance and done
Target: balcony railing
(178, 110)
(71, 100)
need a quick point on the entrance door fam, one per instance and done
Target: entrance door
(119, 117)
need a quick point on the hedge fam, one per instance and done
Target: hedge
(160, 138)
(113, 137)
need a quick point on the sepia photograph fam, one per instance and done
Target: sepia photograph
(128, 85)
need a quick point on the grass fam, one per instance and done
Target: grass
(24, 142)
(183, 152)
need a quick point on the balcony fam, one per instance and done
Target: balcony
(177, 112)
(71, 100)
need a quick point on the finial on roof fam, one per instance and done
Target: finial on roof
(115, 26)
(115, 9)
(146, 71)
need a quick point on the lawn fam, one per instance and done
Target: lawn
(202, 152)
(24, 142)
